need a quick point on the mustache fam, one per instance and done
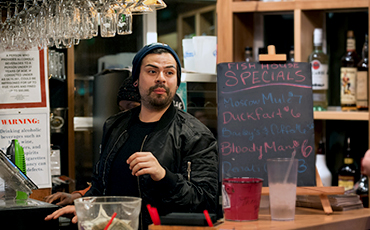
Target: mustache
(151, 89)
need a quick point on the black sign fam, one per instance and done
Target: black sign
(265, 111)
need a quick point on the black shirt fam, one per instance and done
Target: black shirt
(120, 180)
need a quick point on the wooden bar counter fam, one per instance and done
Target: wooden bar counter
(305, 218)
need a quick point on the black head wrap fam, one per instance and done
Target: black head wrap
(128, 91)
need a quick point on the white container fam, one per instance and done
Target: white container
(189, 54)
(323, 170)
(205, 54)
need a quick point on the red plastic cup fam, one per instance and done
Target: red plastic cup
(241, 201)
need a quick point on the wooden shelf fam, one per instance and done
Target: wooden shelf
(339, 115)
(198, 22)
(240, 24)
(259, 6)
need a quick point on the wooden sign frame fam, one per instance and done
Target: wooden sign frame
(319, 189)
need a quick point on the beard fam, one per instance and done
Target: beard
(159, 101)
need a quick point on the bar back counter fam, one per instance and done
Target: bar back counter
(305, 218)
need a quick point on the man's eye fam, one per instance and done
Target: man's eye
(151, 71)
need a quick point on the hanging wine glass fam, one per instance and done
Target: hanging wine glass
(23, 34)
(77, 23)
(156, 4)
(140, 8)
(7, 29)
(32, 25)
(89, 23)
(13, 28)
(42, 23)
(92, 18)
(64, 27)
(53, 9)
(1, 29)
(81, 22)
(107, 21)
(58, 25)
(124, 20)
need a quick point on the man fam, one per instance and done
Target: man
(155, 151)
(127, 98)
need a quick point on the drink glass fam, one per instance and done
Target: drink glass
(124, 21)
(108, 22)
(282, 179)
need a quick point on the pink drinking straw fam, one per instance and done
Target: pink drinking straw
(110, 221)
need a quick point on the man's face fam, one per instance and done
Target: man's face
(158, 80)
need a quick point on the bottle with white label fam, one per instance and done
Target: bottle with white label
(362, 81)
(319, 70)
(348, 73)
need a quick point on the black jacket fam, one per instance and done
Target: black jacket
(183, 146)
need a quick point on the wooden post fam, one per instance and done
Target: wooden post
(271, 55)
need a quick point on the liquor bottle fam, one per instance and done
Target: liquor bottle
(362, 188)
(319, 69)
(348, 72)
(362, 81)
(321, 166)
(248, 54)
(347, 173)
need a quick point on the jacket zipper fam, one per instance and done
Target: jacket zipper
(189, 170)
(138, 183)
(105, 164)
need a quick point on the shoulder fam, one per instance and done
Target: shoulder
(116, 117)
(120, 117)
(191, 124)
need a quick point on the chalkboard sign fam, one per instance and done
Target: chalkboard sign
(265, 111)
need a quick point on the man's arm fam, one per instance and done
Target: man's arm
(196, 187)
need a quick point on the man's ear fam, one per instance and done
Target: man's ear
(136, 83)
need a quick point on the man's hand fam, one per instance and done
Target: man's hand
(65, 211)
(65, 198)
(145, 163)
(366, 163)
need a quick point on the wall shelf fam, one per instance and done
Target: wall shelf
(236, 23)
(251, 23)
(339, 115)
(259, 6)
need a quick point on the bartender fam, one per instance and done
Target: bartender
(156, 151)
